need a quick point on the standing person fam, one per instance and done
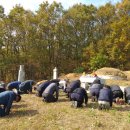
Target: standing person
(95, 89)
(127, 95)
(72, 86)
(6, 99)
(105, 98)
(78, 96)
(13, 85)
(117, 92)
(51, 93)
(26, 86)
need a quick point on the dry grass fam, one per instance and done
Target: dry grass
(34, 114)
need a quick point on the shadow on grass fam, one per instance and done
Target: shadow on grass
(21, 113)
(19, 106)
(93, 105)
(63, 100)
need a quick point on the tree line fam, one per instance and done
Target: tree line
(81, 38)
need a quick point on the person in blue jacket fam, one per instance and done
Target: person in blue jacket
(51, 93)
(6, 100)
(127, 95)
(78, 97)
(72, 86)
(105, 98)
(117, 92)
(13, 85)
(26, 86)
(95, 89)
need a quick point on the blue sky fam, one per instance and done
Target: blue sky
(34, 4)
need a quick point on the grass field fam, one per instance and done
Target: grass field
(34, 114)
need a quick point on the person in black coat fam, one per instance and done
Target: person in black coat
(95, 89)
(40, 89)
(117, 92)
(78, 96)
(72, 86)
(127, 95)
(105, 98)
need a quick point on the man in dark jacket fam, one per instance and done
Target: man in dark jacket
(43, 86)
(95, 89)
(51, 93)
(72, 86)
(78, 96)
(13, 85)
(6, 100)
(26, 86)
(105, 98)
(127, 95)
(40, 89)
(117, 92)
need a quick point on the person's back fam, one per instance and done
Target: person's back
(127, 94)
(105, 96)
(115, 88)
(42, 87)
(48, 93)
(72, 86)
(26, 86)
(79, 95)
(117, 92)
(6, 99)
(13, 85)
(95, 89)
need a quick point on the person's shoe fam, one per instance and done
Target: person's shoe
(93, 99)
(100, 107)
(74, 104)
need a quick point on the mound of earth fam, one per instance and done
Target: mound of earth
(112, 72)
(71, 76)
(128, 74)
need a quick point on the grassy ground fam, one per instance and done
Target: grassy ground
(34, 114)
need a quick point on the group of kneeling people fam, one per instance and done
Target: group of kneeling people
(49, 91)
(105, 95)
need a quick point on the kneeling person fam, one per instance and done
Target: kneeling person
(26, 86)
(78, 96)
(51, 93)
(105, 98)
(127, 95)
(13, 85)
(6, 100)
(117, 92)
